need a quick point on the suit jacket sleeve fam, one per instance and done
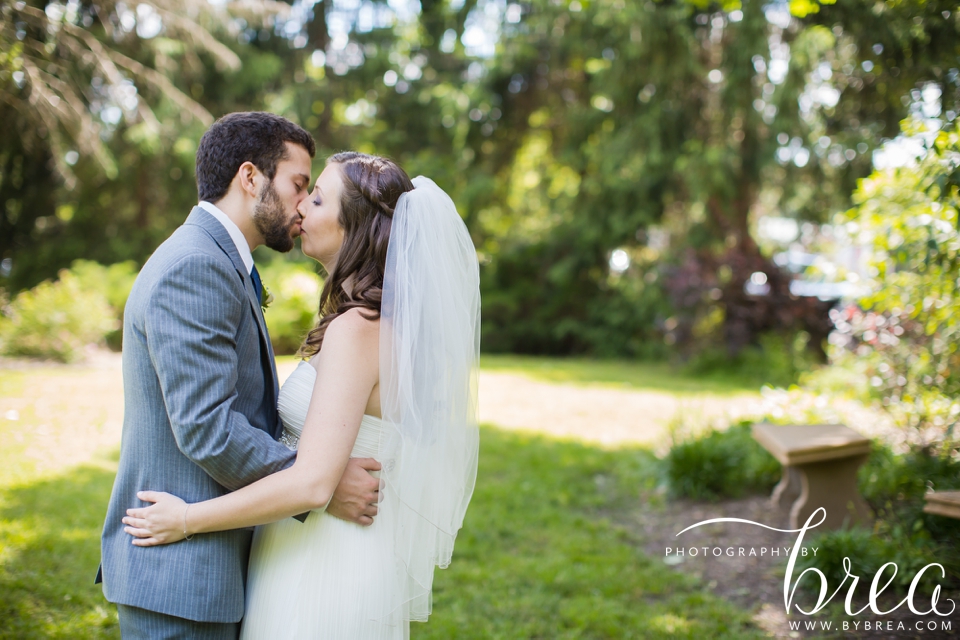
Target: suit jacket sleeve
(191, 323)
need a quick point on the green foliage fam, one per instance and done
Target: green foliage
(295, 288)
(113, 283)
(909, 329)
(867, 552)
(690, 145)
(777, 361)
(55, 320)
(537, 302)
(557, 150)
(44, 321)
(894, 486)
(720, 464)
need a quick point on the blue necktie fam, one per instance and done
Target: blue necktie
(257, 284)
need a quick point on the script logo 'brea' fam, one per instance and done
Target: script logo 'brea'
(790, 587)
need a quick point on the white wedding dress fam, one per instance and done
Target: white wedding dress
(323, 578)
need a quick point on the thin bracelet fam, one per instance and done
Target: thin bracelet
(185, 536)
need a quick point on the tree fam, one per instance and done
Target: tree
(696, 120)
(100, 91)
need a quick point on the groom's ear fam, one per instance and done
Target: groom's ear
(249, 179)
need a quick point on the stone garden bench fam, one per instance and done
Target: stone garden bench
(943, 503)
(820, 465)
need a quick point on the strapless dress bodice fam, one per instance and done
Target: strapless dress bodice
(294, 401)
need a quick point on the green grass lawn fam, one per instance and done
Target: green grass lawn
(655, 376)
(536, 557)
(49, 552)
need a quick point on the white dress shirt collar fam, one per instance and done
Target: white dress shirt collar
(235, 234)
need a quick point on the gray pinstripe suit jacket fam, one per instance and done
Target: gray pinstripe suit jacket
(200, 419)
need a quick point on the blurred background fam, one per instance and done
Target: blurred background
(648, 180)
(675, 197)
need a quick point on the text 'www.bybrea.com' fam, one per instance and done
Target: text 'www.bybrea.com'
(891, 626)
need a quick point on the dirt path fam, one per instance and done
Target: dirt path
(597, 414)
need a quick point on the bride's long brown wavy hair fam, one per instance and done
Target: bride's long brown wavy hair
(371, 187)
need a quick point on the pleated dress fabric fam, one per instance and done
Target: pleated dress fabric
(323, 578)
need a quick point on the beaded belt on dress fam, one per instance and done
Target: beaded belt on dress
(289, 439)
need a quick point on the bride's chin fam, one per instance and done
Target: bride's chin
(305, 250)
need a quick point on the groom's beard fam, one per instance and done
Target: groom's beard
(271, 220)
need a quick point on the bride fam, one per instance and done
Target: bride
(392, 375)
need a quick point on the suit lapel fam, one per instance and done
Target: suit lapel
(211, 225)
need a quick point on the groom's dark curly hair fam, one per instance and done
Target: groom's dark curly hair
(245, 136)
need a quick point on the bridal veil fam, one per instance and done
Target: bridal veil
(429, 355)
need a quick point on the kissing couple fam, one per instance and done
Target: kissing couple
(356, 473)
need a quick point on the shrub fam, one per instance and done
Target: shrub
(113, 283)
(720, 464)
(296, 296)
(538, 300)
(908, 331)
(55, 320)
(894, 486)
(777, 360)
(867, 552)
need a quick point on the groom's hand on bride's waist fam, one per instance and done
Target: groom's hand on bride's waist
(355, 498)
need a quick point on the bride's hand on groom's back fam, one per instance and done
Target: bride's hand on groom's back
(355, 499)
(162, 522)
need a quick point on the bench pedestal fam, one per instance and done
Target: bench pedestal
(820, 464)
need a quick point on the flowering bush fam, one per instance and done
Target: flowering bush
(908, 329)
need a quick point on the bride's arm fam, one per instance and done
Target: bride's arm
(347, 371)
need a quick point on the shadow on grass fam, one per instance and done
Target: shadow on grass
(535, 558)
(49, 553)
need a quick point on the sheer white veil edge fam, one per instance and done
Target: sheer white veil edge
(429, 358)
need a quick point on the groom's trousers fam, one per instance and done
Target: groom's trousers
(140, 624)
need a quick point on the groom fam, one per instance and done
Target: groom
(200, 385)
